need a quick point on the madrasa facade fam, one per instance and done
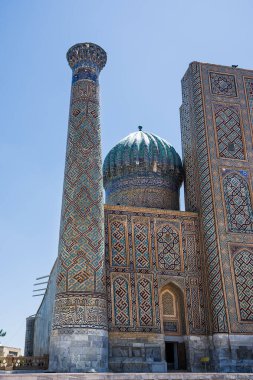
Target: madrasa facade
(138, 285)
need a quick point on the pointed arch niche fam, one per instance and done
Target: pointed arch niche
(172, 310)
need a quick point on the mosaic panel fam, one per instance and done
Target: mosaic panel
(141, 244)
(238, 203)
(145, 301)
(248, 82)
(118, 242)
(243, 271)
(80, 311)
(168, 248)
(229, 133)
(121, 297)
(80, 274)
(222, 84)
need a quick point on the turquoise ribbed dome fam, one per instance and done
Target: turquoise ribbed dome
(141, 152)
(143, 170)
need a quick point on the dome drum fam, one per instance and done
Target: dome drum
(144, 191)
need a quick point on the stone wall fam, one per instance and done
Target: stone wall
(197, 347)
(136, 353)
(232, 353)
(81, 350)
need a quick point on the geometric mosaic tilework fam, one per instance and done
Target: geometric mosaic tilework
(222, 84)
(118, 244)
(195, 306)
(145, 301)
(189, 154)
(195, 302)
(168, 248)
(141, 245)
(133, 291)
(204, 189)
(238, 204)
(81, 236)
(121, 304)
(229, 132)
(192, 259)
(249, 93)
(243, 270)
(81, 243)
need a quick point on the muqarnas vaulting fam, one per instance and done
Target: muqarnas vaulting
(138, 285)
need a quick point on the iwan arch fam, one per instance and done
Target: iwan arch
(140, 286)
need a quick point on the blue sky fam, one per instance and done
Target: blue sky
(150, 44)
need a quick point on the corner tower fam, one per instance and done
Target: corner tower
(216, 123)
(79, 338)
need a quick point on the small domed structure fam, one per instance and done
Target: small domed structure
(143, 170)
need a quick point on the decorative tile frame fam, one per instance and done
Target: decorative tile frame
(234, 250)
(143, 221)
(224, 171)
(237, 108)
(222, 84)
(148, 277)
(176, 227)
(123, 221)
(127, 278)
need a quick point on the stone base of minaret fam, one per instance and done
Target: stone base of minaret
(78, 350)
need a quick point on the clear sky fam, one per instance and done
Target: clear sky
(149, 45)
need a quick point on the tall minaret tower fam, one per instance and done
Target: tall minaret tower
(79, 338)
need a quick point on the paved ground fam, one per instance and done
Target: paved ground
(25, 375)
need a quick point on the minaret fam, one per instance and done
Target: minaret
(79, 338)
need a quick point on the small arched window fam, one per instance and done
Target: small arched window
(170, 313)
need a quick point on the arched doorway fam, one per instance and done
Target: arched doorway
(173, 326)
